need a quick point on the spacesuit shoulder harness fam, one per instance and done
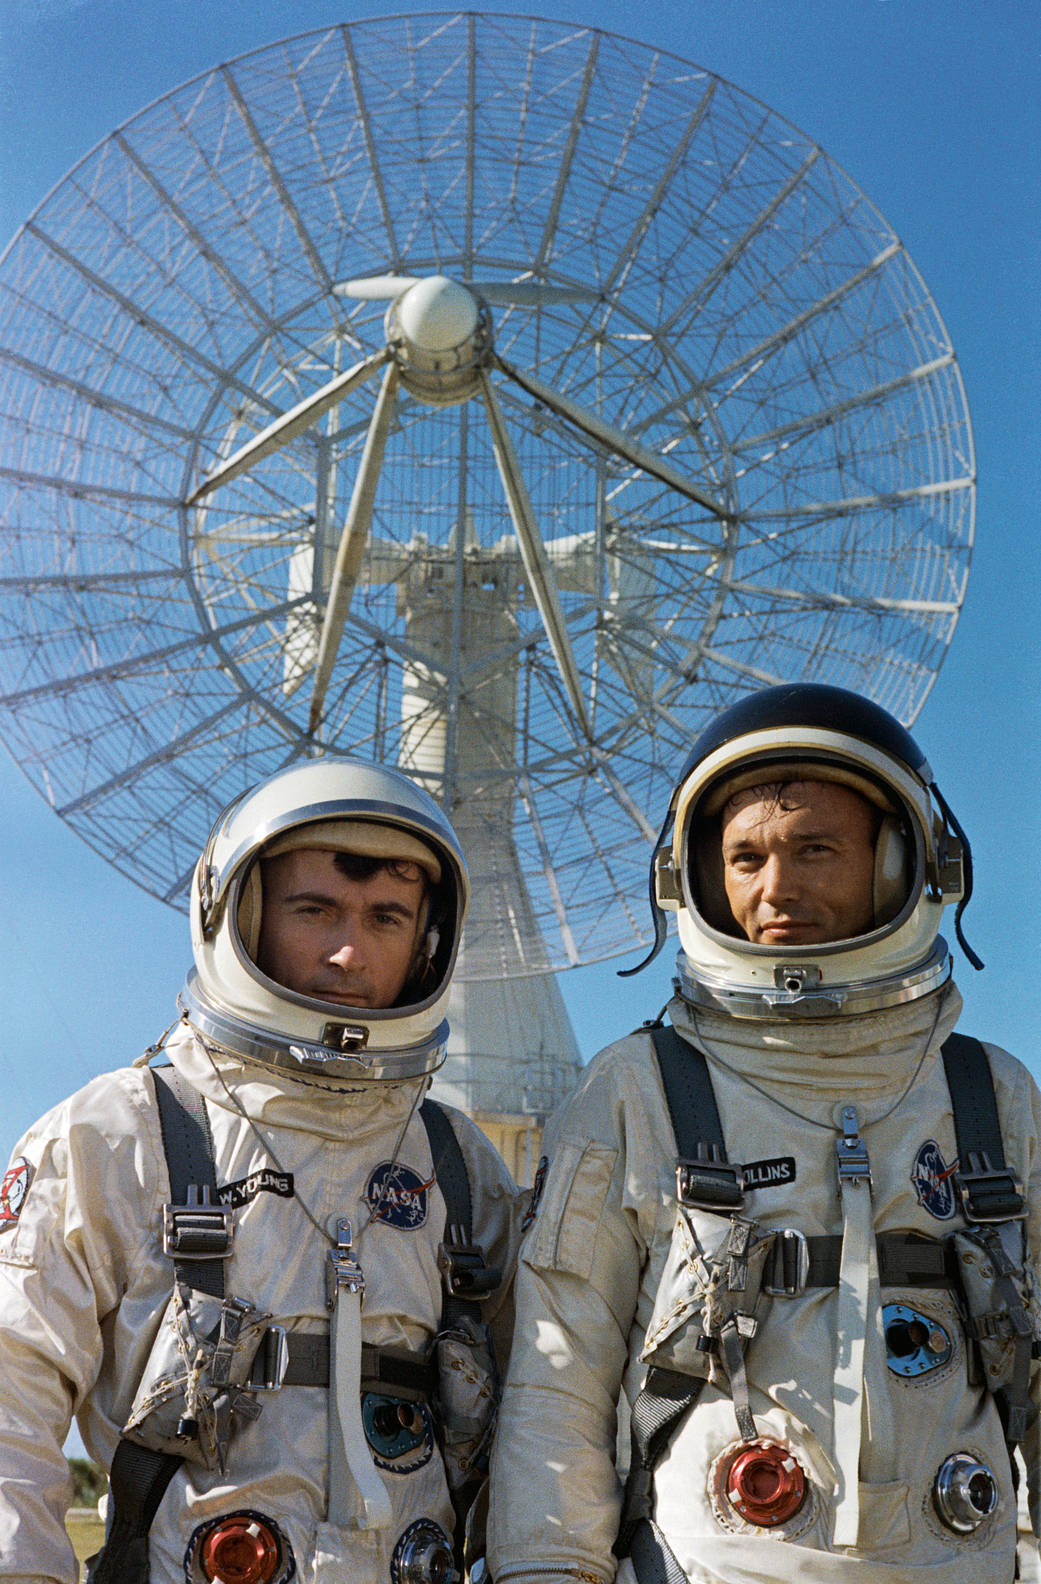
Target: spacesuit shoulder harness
(213, 1352)
(711, 1303)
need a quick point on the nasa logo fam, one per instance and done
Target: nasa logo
(13, 1190)
(398, 1196)
(931, 1181)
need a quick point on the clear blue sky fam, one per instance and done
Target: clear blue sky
(931, 106)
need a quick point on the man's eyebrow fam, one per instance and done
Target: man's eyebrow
(326, 899)
(799, 835)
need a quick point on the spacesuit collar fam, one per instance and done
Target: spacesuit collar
(865, 1060)
(273, 1098)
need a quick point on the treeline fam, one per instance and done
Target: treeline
(89, 1483)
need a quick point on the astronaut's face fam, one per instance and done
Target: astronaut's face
(798, 862)
(339, 939)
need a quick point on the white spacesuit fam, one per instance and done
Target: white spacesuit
(290, 1414)
(814, 1344)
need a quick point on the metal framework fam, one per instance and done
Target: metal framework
(739, 445)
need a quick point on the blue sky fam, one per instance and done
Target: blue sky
(930, 105)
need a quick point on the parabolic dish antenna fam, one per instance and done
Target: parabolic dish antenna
(490, 396)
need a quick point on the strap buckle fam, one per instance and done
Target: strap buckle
(989, 1194)
(710, 1181)
(198, 1229)
(462, 1265)
(343, 1269)
(789, 1268)
(270, 1362)
(853, 1163)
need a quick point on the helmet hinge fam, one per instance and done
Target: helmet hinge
(667, 880)
(207, 897)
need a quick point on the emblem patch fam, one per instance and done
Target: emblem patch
(13, 1189)
(267, 1180)
(770, 1173)
(536, 1193)
(931, 1181)
(398, 1195)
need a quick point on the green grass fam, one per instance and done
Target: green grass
(86, 1535)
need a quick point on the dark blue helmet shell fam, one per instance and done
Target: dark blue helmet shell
(811, 704)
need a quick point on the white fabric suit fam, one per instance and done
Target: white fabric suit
(590, 1270)
(84, 1282)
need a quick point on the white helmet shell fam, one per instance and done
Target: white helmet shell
(922, 862)
(238, 1007)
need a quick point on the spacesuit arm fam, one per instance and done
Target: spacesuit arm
(555, 1495)
(60, 1276)
(1019, 1109)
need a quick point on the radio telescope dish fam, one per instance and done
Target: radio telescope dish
(491, 396)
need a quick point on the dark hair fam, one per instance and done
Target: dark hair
(357, 866)
(772, 793)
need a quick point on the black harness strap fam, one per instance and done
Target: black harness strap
(990, 1195)
(139, 1477)
(988, 1190)
(703, 1176)
(466, 1277)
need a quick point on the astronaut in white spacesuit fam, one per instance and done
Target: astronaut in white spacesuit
(819, 1301)
(263, 1277)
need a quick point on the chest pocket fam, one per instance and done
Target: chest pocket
(563, 1236)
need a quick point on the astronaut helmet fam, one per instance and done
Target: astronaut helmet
(799, 733)
(372, 820)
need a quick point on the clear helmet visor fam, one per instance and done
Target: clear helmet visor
(875, 947)
(281, 886)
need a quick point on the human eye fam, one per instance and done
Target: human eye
(741, 858)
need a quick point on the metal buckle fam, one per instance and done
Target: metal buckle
(983, 1180)
(274, 1341)
(710, 1181)
(198, 1229)
(463, 1268)
(342, 1269)
(853, 1163)
(790, 1267)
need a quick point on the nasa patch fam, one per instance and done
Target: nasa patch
(13, 1190)
(398, 1195)
(931, 1181)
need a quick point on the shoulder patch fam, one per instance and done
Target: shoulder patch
(13, 1189)
(931, 1181)
(398, 1196)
